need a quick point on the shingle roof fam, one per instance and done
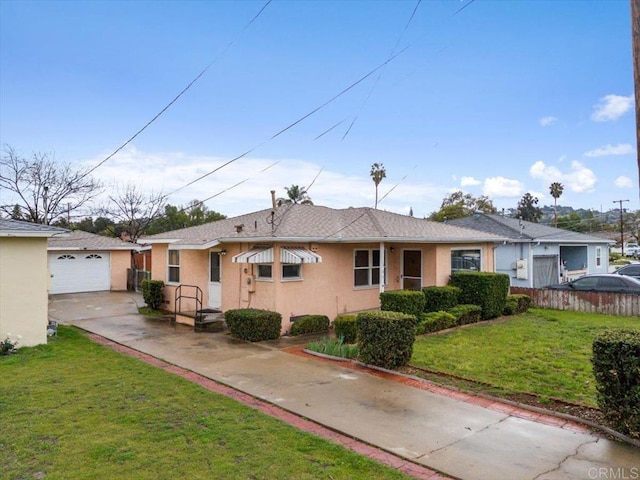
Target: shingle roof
(17, 228)
(520, 230)
(79, 240)
(295, 222)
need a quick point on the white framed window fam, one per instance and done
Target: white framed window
(366, 268)
(173, 274)
(598, 256)
(291, 271)
(466, 260)
(264, 271)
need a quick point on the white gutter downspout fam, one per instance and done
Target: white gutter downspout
(383, 268)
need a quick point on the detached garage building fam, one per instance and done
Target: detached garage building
(24, 279)
(85, 262)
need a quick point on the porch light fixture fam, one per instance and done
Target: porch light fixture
(222, 252)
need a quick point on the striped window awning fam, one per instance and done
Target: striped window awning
(298, 255)
(289, 255)
(255, 255)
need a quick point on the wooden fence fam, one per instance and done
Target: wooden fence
(592, 302)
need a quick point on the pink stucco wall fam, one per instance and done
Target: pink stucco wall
(326, 288)
(120, 262)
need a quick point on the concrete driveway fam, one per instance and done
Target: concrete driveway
(459, 438)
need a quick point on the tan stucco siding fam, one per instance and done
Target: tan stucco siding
(120, 262)
(326, 288)
(24, 281)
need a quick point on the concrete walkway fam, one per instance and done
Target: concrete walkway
(450, 435)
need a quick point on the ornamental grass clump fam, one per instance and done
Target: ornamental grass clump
(334, 347)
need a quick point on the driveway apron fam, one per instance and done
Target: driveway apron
(458, 438)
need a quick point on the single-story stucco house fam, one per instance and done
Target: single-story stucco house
(307, 259)
(85, 262)
(535, 255)
(24, 280)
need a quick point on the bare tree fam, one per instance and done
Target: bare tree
(133, 211)
(42, 188)
(377, 173)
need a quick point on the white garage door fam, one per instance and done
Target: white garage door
(79, 272)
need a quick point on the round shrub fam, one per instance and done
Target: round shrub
(410, 302)
(616, 367)
(253, 325)
(345, 327)
(310, 324)
(386, 339)
(439, 299)
(434, 322)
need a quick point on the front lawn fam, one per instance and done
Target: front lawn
(75, 409)
(544, 352)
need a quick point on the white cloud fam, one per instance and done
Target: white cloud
(620, 149)
(544, 172)
(623, 182)
(548, 121)
(168, 171)
(502, 187)
(469, 181)
(579, 179)
(611, 107)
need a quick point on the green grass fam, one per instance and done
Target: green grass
(75, 409)
(544, 352)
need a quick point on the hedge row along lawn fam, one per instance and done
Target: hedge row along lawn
(75, 409)
(544, 352)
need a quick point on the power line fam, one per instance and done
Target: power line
(375, 84)
(175, 99)
(296, 122)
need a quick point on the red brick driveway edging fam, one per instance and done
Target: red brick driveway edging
(405, 466)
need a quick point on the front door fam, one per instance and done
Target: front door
(215, 276)
(412, 269)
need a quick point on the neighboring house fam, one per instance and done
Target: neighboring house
(307, 259)
(85, 262)
(536, 255)
(24, 280)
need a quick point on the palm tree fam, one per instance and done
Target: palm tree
(556, 189)
(296, 194)
(377, 174)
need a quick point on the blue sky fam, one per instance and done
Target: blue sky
(500, 98)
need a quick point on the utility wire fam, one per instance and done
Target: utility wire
(296, 122)
(175, 99)
(375, 84)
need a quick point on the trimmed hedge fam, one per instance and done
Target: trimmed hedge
(386, 339)
(489, 290)
(523, 301)
(410, 302)
(510, 307)
(253, 325)
(310, 324)
(466, 313)
(438, 299)
(616, 366)
(435, 321)
(345, 327)
(152, 293)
